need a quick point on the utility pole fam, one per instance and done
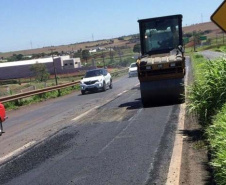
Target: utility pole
(54, 67)
(103, 56)
(110, 54)
(194, 40)
(120, 55)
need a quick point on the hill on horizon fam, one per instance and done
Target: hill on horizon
(207, 26)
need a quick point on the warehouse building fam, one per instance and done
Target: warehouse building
(21, 69)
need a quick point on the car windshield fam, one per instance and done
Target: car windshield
(93, 73)
(133, 65)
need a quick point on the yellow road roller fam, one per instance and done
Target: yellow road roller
(161, 67)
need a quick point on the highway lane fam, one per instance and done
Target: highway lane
(38, 121)
(118, 143)
(212, 54)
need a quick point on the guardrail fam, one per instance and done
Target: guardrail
(45, 90)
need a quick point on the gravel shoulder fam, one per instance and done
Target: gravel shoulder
(194, 165)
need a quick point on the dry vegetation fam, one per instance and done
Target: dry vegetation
(203, 27)
(106, 43)
(70, 47)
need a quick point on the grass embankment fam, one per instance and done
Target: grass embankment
(207, 98)
(218, 48)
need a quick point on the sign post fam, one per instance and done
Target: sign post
(219, 16)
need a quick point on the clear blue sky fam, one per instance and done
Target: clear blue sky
(39, 23)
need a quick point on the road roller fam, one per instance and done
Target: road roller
(161, 66)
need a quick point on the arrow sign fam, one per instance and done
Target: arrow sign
(219, 16)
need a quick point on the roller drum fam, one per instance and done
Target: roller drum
(163, 91)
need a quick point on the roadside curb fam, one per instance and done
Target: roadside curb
(175, 163)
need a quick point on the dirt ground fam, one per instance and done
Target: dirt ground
(194, 168)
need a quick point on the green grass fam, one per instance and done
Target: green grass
(220, 48)
(217, 138)
(207, 99)
(208, 93)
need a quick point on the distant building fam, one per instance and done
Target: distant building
(21, 69)
(71, 63)
(101, 49)
(93, 50)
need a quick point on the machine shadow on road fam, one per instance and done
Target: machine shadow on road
(137, 104)
(159, 102)
(132, 105)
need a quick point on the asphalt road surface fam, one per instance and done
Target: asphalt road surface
(212, 54)
(99, 138)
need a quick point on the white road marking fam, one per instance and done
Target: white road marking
(28, 145)
(17, 151)
(124, 92)
(175, 163)
(85, 113)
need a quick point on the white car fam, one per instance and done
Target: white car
(96, 79)
(132, 70)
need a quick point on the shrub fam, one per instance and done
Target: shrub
(208, 93)
(217, 139)
(207, 97)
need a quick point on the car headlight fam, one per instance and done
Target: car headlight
(81, 82)
(100, 80)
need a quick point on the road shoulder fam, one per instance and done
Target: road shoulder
(194, 166)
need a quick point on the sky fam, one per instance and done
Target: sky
(29, 24)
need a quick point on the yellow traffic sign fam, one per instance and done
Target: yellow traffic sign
(219, 16)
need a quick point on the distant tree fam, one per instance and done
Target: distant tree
(136, 48)
(127, 62)
(40, 72)
(15, 57)
(38, 55)
(103, 55)
(19, 57)
(112, 54)
(111, 41)
(85, 54)
(78, 54)
(189, 34)
(121, 38)
(196, 38)
(207, 31)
